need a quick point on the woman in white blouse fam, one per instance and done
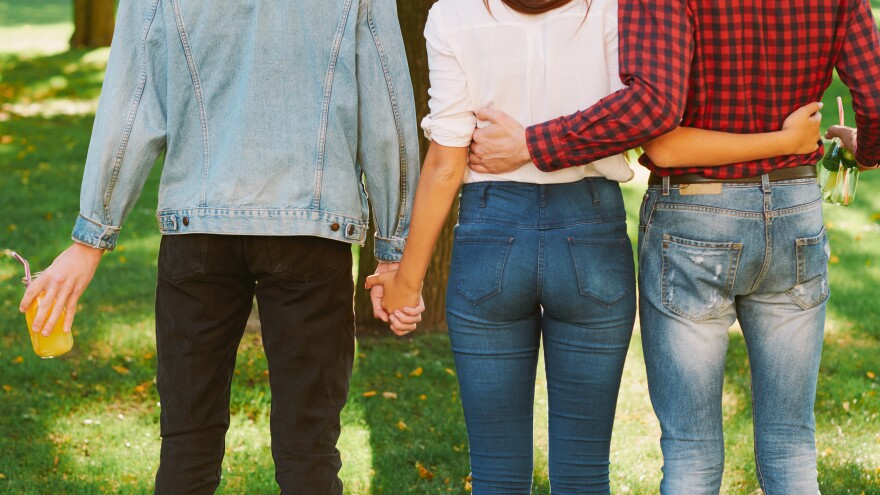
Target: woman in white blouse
(537, 255)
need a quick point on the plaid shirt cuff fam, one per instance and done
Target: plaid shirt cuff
(546, 152)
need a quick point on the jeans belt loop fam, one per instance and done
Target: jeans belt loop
(483, 194)
(765, 183)
(593, 192)
(666, 182)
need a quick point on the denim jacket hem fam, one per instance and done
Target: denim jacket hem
(262, 221)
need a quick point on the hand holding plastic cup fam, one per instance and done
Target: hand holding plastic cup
(58, 341)
(838, 172)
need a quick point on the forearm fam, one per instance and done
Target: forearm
(439, 183)
(692, 147)
(652, 103)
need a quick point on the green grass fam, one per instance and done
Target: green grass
(88, 422)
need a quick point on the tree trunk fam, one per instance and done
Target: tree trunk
(412, 15)
(93, 21)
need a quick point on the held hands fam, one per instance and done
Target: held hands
(392, 302)
(501, 146)
(803, 128)
(63, 282)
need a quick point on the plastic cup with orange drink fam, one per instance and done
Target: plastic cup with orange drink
(58, 341)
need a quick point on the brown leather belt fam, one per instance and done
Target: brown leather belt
(791, 173)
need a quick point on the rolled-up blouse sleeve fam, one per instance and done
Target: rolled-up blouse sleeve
(451, 121)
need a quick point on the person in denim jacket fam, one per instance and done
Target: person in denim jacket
(276, 119)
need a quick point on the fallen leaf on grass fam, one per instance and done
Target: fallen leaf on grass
(416, 372)
(423, 397)
(122, 370)
(834, 259)
(389, 395)
(424, 473)
(450, 372)
(7, 388)
(18, 360)
(370, 393)
(143, 387)
(871, 375)
(401, 425)
(2, 476)
(876, 217)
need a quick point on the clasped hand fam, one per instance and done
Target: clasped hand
(393, 302)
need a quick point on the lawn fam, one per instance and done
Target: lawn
(88, 422)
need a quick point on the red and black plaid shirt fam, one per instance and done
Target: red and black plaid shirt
(739, 66)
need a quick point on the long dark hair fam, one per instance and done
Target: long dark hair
(532, 6)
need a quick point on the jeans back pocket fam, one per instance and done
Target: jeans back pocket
(698, 276)
(812, 255)
(604, 268)
(478, 264)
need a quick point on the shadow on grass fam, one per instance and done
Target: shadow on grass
(417, 436)
(74, 74)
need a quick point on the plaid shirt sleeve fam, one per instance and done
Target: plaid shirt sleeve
(859, 69)
(656, 50)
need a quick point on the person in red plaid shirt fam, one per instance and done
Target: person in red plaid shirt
(742, 241)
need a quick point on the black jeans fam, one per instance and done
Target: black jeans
(204, 295)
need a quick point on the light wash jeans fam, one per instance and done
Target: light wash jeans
(530, 262)
(757, 253)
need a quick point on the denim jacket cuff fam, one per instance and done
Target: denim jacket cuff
(94, 234)
(389, 249)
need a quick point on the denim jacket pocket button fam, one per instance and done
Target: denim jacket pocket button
(334, 227)
(186, 221)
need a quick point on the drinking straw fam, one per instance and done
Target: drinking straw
(846, 172)
(27, 266)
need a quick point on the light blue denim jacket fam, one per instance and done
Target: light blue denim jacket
(276, 118)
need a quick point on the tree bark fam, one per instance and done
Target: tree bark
(413, 14)
(94, 21)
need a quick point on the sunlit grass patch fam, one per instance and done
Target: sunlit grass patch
(35, 39)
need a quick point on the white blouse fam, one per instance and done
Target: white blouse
(534, 67)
